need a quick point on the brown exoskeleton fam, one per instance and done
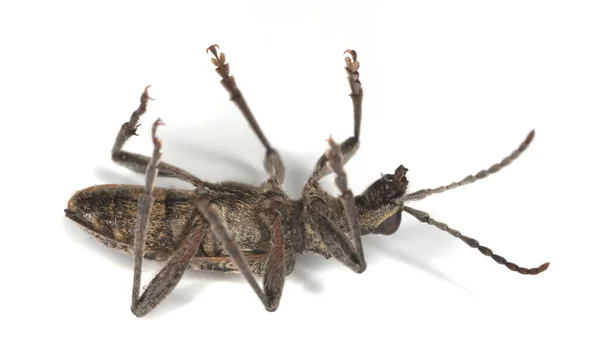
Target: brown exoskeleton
(252, 230)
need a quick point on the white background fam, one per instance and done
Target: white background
(450, 88)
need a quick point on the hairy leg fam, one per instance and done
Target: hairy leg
(348, 248)
(137, 162)
(272, 163)
(165, 281)
(350, 145)
(275, 266)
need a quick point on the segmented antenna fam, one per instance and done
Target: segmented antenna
(421, 194)
(424, 217)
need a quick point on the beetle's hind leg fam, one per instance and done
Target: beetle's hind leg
(165, 281)
(138, 162)
(273, 266)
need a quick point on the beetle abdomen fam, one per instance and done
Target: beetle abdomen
(109, 212)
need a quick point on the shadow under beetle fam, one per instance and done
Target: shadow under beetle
(252, 230)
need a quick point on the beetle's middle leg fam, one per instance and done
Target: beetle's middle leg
(349, 147)
(272, 163)
(137, 162)
(275, 267)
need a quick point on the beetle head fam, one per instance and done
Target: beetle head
(376, 206)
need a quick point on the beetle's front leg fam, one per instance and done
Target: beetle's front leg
(347, 248)
(275, 267)
(350, 145)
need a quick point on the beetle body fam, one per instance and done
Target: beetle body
(108, 213)
(253, 230)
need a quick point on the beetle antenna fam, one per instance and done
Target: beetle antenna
(421, 194)
(424, 217)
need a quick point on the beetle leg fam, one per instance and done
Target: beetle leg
(272, 163)
(138, 162)
(169, 276)
(165, 281)
(275, 266)
(346, 248)
(350, 145)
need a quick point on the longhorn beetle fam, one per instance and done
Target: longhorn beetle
(252, 230)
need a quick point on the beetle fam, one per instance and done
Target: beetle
(252, 230)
